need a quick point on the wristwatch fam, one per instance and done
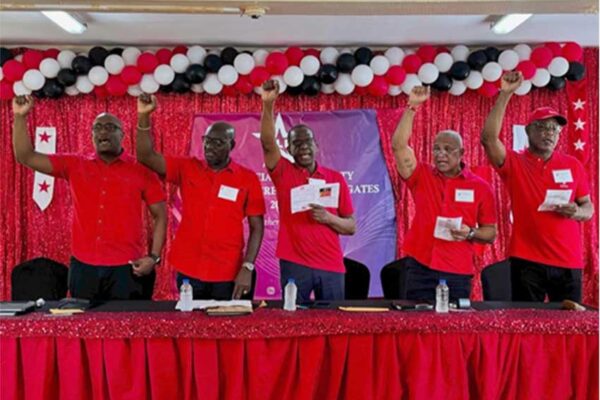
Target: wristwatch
(155, 258)
(471, 234)
(248, 265)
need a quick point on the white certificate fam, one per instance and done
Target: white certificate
(443, 226)
(326, 195)
(555, 198)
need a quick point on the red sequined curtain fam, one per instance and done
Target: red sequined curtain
(27, 232)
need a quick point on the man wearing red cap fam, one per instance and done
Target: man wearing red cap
(550, 195)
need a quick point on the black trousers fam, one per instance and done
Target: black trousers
(208, 290)
(422, 280)
(532, 281)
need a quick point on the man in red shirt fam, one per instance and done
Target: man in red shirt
(454, 209)
(217, 195)
(308, 245)
(108, 188)
(546, 247)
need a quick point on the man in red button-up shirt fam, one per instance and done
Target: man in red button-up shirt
(454, 209)
(308, 244)
(109, 255)
(217, 195)
(546, 244)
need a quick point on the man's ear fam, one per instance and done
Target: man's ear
(232, 143)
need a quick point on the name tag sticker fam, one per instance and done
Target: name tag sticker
(464, 196)
(228, 193)
(562, 176)
(318, 182)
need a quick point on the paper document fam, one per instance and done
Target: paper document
(443, 226)
(555, 198)
(204, 304)
(326, 195)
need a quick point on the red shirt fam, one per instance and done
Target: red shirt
(435, 195)
(301, 239)
(107, 225)
(543, 237)
(210, 239)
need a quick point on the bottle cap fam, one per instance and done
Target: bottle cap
(291, 280)
(186, 281)
(442, 281)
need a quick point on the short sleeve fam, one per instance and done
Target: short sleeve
(255, 205)
(486, 214)
(175, 166)
(153, 192)
(504, 171)
(277, 173)
(63, 164)
(413, 179)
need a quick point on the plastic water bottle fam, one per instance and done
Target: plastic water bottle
(186, 296)
(442, 297)
(289, 295)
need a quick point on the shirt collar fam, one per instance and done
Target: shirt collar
(231, 167)
(465, 172)
(534, 157)
(124, 156)
(319, 170)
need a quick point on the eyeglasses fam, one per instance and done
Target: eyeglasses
(214, 142)
(545, 126)
(108, 127)
(437, 151)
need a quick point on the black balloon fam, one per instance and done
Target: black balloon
(53, 89)
(39, 94)
(180, 84)
(167, 88)
(66, 77)
(492, 53)
(5, 55)
(460, 70)
(294, 90)
(98, 54)
(346, 63)
(327, 73)
(363, 55)
(442, 83)
(116, 50)
(576, 71)
(81, 65)
(477, 60)
(557, 83)
(195, 73)
(311, 86)
(213, 62)
(228, 55)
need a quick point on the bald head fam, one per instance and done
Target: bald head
(221, 128)
(108, 117)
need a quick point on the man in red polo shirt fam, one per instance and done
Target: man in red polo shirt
(454, 209)
(308, 245)
(217, 195)
(546, 246)
(108, 188)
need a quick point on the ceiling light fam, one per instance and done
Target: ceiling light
(66, 21)
(508, 23)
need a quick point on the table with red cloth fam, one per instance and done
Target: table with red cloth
(307, 354)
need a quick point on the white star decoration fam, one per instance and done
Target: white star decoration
(578, 105)
(579, 124)
(579, 144)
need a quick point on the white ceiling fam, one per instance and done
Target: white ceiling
(111, 29)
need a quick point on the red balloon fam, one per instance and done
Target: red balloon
(360, 90)
(276, 63)
(554, 48)
(294, 55)
(164, 56)
(115, 86)
(259, 75)
(180, 50)
(527, 68)
(51, 53)
(229, 90)
(395, 75)
(312, 52)
(6, 90)
(147, 63)
(32, 58)
(131, 75)
(572, 51)
(13, 71)
(243, 85)
(488, 89)
(100, 91)
(541, 56)
(378, 87)
(427, 53)
(442, 49)
(412, 63)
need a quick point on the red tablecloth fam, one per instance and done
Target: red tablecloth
(516, 354)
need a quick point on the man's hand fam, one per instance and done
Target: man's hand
(243, 282)
(270, 91)
(511, 81)
(418, 95)
(142, 266)
(21, 105)
(320, 214)
(460, 234)
(567, 210)
(146, 104)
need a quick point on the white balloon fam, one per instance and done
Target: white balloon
(460, 53)
(524, 51)
(524, 88)
(491, 71)
(394, 90)
(20, 89)
(197, 88)
(310, 65)
(379, 65)
(443, 61)
(260, 57)
(282, 84)
(134, 90)
(474, 80)
(227, 75)
(114, 64)
(84, 85)
(541, 77)
(164, 74)
(559, 66)
(33, 80)
(362, 75)
(508, 60)
(327, 88)
(65, 58)
(457, 88)
(49, 67)
(410, 82)
(293, 76)
(344, 85)
(179, 63)
(211, 84)
(409, 51)
(346, 50)
(395, 55)
(428, 73)
(72, 90)
(329, 55)
(243, 63)
(196, 55)
(130, 55)
(148, 84)
(98, 75)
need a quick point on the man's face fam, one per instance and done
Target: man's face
(218, 144)
(543, 135)
(447, 152)
(302, 146)
(107, 135)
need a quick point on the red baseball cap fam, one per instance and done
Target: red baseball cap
(546, 112)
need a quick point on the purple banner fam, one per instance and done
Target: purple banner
(348, 142)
